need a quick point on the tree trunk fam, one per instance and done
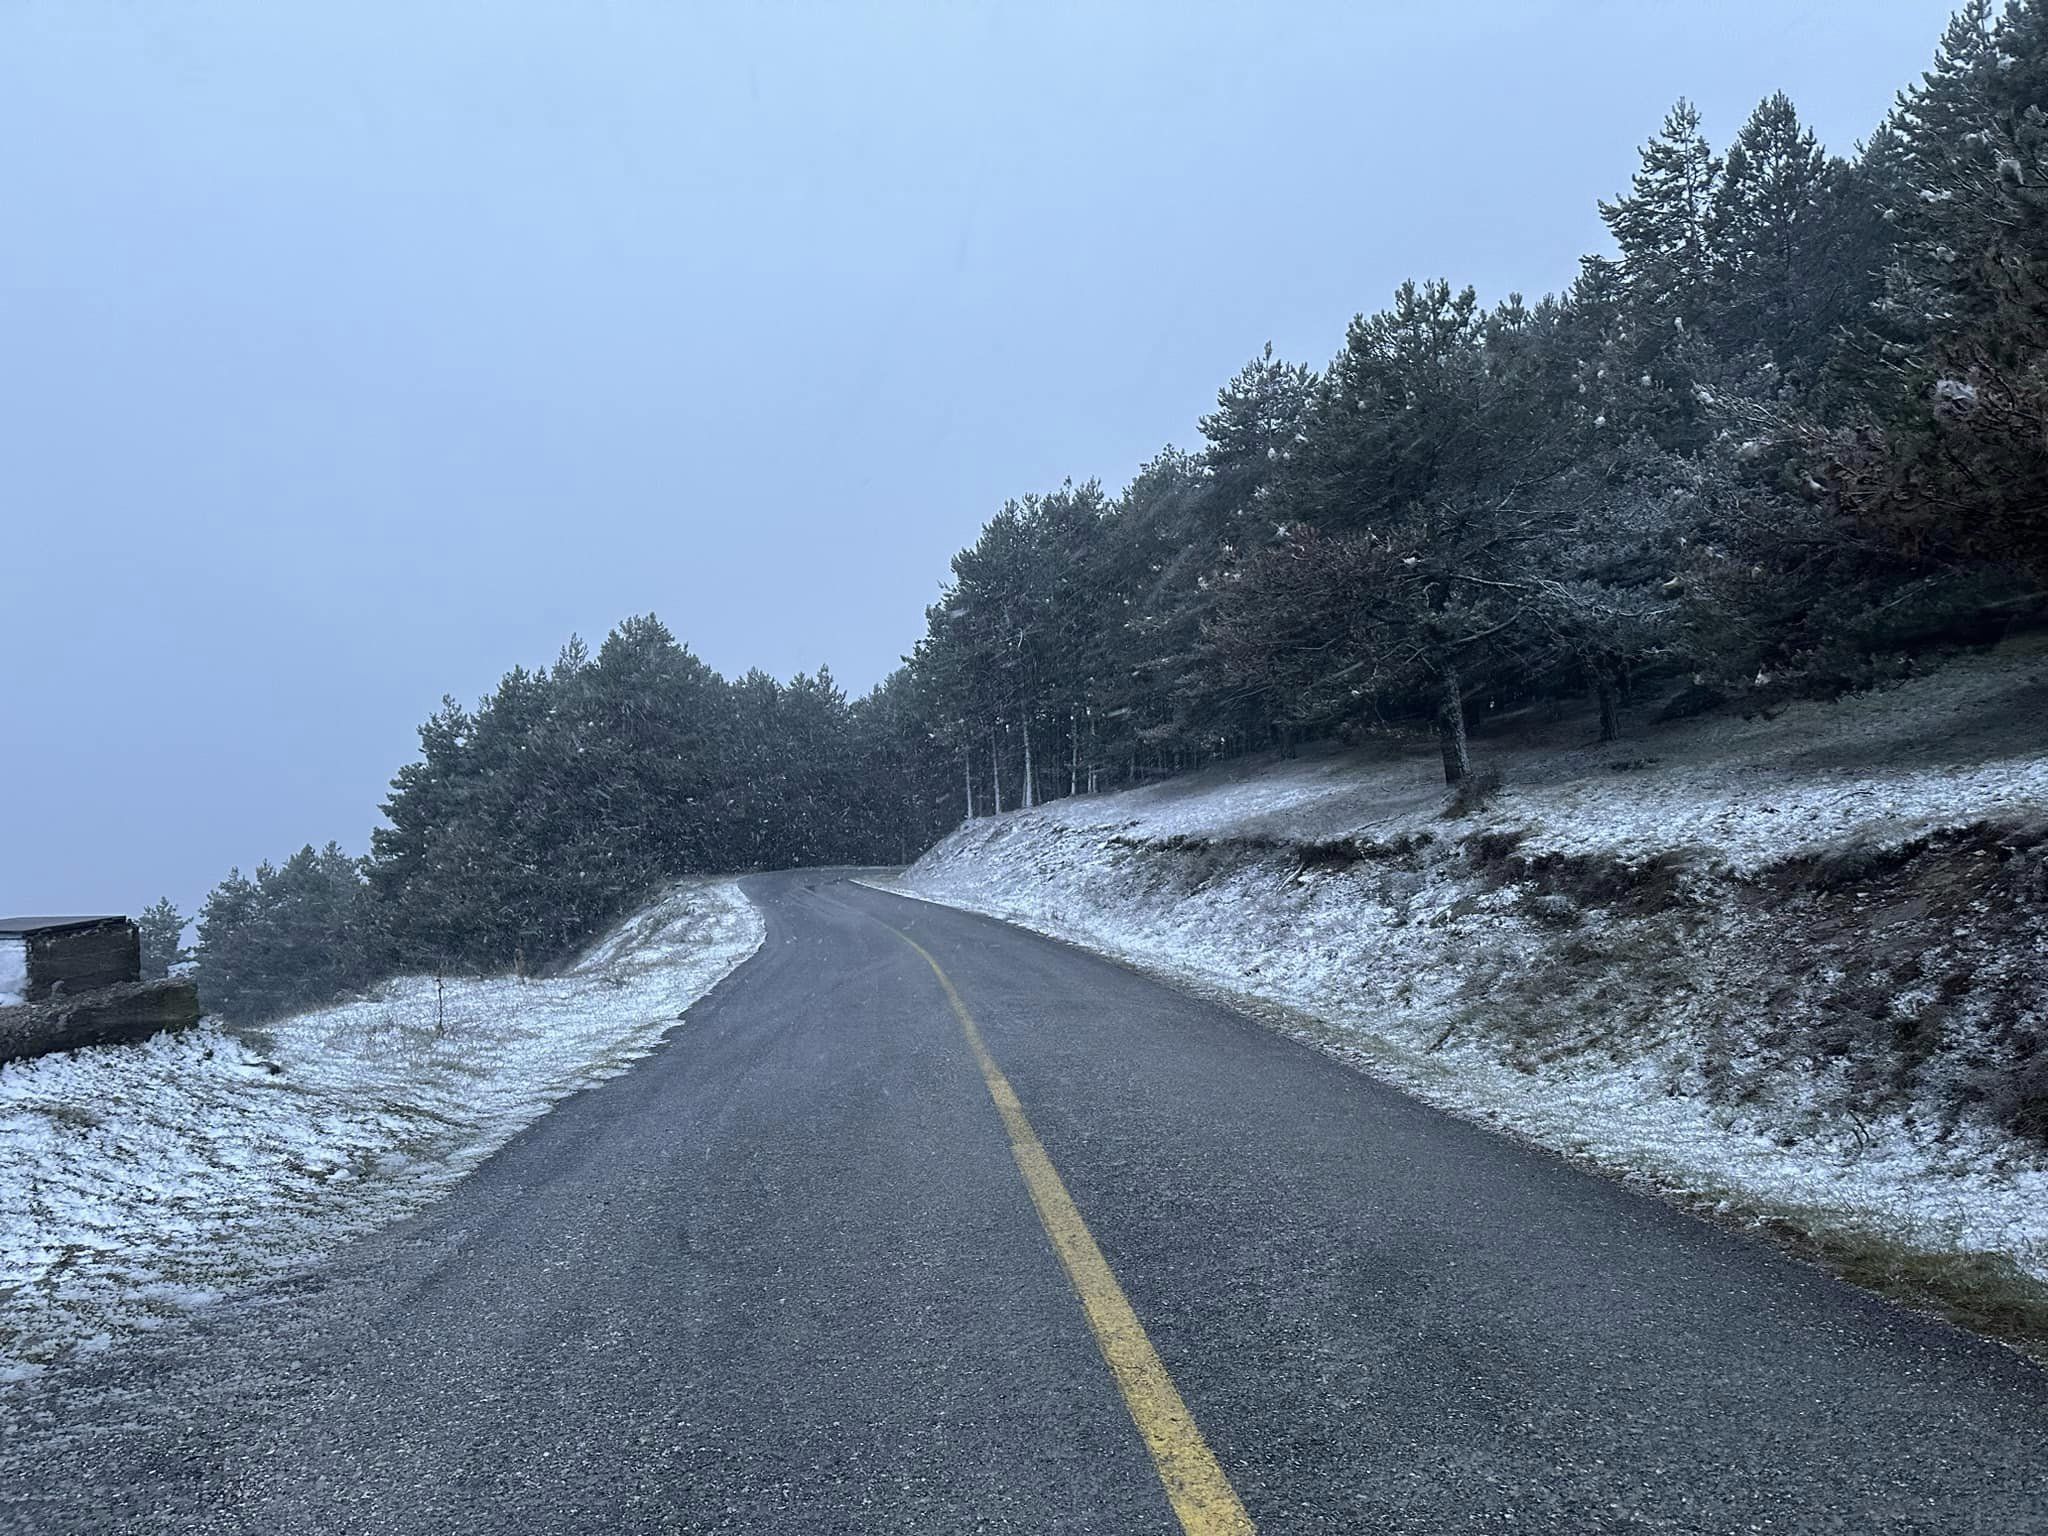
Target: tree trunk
(1450, 727)
(1610, 715)
(967, 774)
(995, 771)
(1074, 753)
(1029, 799)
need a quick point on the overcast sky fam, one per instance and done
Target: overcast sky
(351, 353)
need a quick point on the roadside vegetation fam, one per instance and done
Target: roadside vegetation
(1784, 440)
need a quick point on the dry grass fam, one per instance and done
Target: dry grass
(1474, 793)
(1984, 1292)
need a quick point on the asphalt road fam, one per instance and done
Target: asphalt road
(787, 1275)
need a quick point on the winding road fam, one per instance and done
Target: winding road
(924, 1223)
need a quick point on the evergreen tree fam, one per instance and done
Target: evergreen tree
(1258, 423)
(420, 889)
(909, 784)
(162, 927)
(1779, 288)
(1949, 466)
(1665, 226)
(292, 938)
(1937, 155)
(1429, 471)
(1183, 519)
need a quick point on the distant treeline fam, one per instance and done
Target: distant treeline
(1794, 434)
(570, 794)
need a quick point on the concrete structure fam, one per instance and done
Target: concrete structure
(46, 957)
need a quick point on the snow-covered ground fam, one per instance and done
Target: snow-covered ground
(1670, 1037)
(1944, 750)
(138, 1182)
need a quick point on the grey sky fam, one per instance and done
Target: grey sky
(351, 353)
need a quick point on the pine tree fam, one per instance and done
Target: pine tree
(1397, 415)
(1776, 287)
(1950, 466)
(162, 927)
(291, 938)
(1664, 226)
(1182, 521)
(1938, 155)
(1257, 424)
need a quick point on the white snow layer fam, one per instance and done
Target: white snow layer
(141, 1181)
(13, 971)
(1375, 965)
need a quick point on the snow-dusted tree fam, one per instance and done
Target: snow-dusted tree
(1170, 533)
(1429, 490)
(1612, 383)
(1563, 576)
(1778, 283)
(1938, 151)
(291, 938)
(1257, 424)
(1183, 518)
(1950, 462)
(1664, 226)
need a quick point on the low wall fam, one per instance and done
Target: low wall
(107, 1016)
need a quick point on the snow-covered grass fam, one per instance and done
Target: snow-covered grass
(1943, 751)
(1612, 959)
(141, 1181)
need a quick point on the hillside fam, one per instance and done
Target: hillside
(1790, 968)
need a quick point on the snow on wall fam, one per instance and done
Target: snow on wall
(13, 971)
(141, 1181)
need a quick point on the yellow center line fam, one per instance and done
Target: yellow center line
(1195, 1485)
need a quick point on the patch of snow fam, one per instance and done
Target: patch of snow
(13, 971)
(139, 1182)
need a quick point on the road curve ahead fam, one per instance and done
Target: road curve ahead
(923, 1223)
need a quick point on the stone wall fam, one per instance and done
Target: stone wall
(132, 1011)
